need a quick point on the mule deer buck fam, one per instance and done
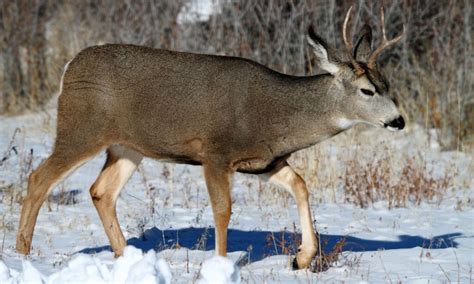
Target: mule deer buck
(227, 114)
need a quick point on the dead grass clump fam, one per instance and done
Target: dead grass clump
(282, 244)
(419, 184)
(325, 260)
(379, 180)
(362, 181)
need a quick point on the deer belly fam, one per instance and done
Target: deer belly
(259, 166)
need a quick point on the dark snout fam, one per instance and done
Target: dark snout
(397, 123)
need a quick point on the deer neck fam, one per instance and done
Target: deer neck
(310, 113)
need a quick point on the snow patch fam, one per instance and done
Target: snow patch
(218, 270)
(132, 267)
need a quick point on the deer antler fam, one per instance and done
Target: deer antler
(348, 43)
(385, 43)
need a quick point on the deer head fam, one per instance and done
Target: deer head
(360, 87)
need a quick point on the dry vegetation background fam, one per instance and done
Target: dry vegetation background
(431, 71)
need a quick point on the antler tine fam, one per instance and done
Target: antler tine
(348, 44)
(385, 42)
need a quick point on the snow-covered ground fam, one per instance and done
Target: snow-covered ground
(164, 208)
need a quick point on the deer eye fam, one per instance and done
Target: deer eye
(367, 92)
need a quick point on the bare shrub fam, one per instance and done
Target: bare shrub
(281, 245)
(23, 43)
(378, 179)
(323, 260)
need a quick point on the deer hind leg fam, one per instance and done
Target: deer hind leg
(287, 178)
(120, 165)
(60, 164)
(218, 181)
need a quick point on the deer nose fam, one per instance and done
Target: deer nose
(398, 123)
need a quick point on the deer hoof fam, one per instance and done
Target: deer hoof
(303, 257)
(118, 253)
(302, 260)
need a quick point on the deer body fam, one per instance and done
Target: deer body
(232, 109)
(227, 114)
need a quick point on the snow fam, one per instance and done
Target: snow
(167, 220)
(132, 267)
(219, 269)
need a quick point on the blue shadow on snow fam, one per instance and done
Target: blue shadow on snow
(259, 244)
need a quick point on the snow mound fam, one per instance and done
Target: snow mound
(217, 270)
(132, 267)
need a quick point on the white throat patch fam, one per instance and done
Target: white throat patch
(345, 123)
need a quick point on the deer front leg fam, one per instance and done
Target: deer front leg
(287, 178)
(218, 181)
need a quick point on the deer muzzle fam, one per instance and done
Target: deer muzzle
(396, 124)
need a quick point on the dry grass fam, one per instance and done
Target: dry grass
(367, 181)
(325, 260)
(281, 245)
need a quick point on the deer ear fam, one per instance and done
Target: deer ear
(363, 46)
(325, 55)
